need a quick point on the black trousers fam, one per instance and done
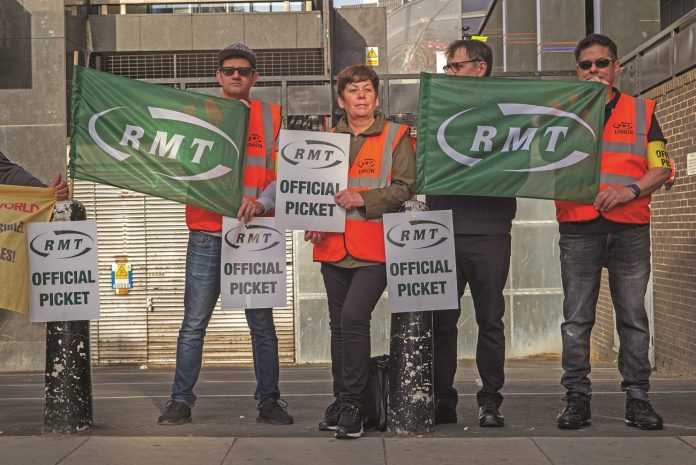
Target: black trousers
(483, 261)
(352, 295)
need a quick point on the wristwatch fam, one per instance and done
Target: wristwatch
(635, 189)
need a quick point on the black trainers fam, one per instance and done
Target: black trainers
(331, 417)
(639, 413)
(576, 413)
(274, 412)
(490, 416)
(176, 413)
(350, 425)
(443, 413)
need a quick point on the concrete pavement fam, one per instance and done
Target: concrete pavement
(224, 431)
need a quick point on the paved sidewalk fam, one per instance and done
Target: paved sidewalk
(127, 402)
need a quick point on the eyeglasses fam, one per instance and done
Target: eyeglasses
(456, 65)
(600, 63)
(244, 71)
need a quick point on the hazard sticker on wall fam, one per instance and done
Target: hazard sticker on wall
(372, 56)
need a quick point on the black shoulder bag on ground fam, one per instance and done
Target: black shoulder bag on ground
(376, 394)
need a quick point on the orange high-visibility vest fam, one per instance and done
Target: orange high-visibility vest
(363, 238)
(259, 166)
(624, 161)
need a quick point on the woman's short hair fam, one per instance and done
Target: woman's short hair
(357, 73)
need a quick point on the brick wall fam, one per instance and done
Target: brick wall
(673, 240)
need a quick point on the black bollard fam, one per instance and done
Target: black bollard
(68, 406)
(410, 408)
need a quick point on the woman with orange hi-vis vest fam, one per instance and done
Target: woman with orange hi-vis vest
(381, 177)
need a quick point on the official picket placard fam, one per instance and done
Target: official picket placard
(63, 271)
(312, 167)
(252, 270)
(421, 269)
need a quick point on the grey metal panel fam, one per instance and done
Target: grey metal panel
(270, 30)
(685, 49)
(115, 33)
(494, 30)
(309, 30)
(403, 98)
(267, 94)
(215, 31)
(627, 80)
(655, 65)
(166, 32)
(521, 35)
(309, 100)
(560, 31)
(355, 29)
(630, 24)
(75, 33)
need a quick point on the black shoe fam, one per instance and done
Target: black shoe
(274, 412)
(490, 416)
(443, 413)
(176, 413)
(576, 413)
(639, 413)
(350, 425)
(331, 417)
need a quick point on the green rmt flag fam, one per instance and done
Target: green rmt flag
(157, 140)
(509, 137)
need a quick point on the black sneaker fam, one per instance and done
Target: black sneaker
(444, 413)
(490, 416)
(576, 413)
(350, 425)
(274, 412)
(176, 413)
(331, 417)
(639, 413)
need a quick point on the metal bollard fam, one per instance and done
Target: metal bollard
(68, 405)
(410, 408)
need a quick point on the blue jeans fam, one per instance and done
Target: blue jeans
(200, 295)
(626, 255)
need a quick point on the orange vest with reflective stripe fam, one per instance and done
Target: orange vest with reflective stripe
(364, 239)
(624, 161)
(259, 165)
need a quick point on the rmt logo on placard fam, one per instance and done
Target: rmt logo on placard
(418, 234)
(62, 244)
(312, 154)
(253, 237)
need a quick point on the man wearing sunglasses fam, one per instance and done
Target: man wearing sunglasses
(611, 233)
(482, 245)
(236, 75)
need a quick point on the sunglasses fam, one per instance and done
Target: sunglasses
(600, 63)
(456, 65)
(244, 71)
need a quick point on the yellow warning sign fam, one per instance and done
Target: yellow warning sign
(480, 38)
(121, 272)
(372, 56)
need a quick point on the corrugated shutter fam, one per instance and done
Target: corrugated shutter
(142, 326)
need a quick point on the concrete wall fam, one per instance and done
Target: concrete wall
(178, 32)
(32, 130)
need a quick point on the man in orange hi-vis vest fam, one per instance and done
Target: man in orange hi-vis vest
(612, 233)
(236, 74)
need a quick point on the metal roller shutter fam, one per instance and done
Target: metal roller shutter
(142, 327)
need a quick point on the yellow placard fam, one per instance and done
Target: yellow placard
(19, 206)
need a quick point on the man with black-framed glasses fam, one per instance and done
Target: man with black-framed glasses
(482, 244)
(236, 75)
(611, 233)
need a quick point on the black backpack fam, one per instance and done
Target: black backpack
(376, 394)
